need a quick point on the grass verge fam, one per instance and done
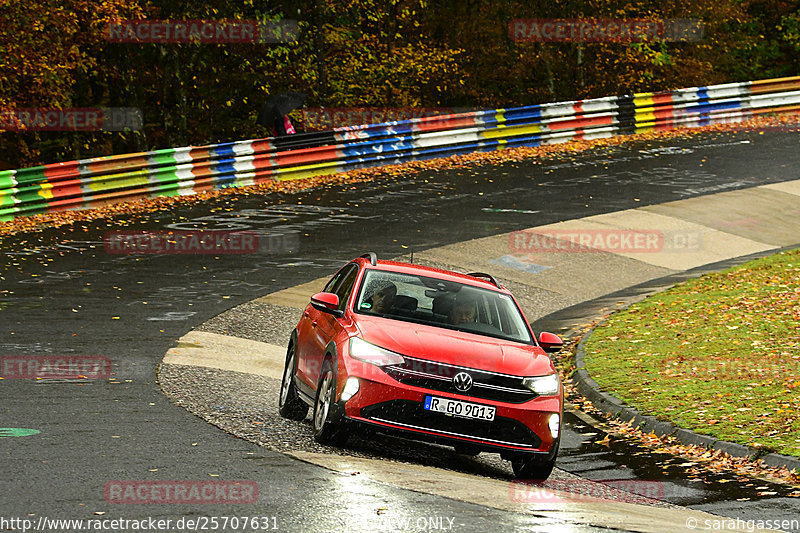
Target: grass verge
(719, 354)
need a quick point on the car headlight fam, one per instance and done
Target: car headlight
(543, 385)
(374, 355)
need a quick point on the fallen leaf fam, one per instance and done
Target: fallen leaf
(606, 441)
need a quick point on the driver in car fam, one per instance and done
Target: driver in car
(463, 312)
(383, 299)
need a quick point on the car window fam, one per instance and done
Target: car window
(336, 281)
(331, 285)
(436, 302)
(345, 286)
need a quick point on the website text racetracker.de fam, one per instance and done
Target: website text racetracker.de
(201, 523)
(603, 240)
(181, 242)
(54, 367)
(71, 119)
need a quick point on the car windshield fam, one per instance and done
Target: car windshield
(446, 304)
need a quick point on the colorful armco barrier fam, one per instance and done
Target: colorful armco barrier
(184, 171)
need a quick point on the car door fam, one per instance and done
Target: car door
(328, 326)
(307, 332)
(319, 327)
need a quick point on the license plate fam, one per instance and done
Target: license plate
(459, 408)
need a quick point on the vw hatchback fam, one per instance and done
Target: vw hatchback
(431, 354)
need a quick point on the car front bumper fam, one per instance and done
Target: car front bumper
(517, 428)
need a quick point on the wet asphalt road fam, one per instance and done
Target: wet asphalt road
(61, 293)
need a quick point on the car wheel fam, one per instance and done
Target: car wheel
(289, 404)
(534, 468)
(328, 427)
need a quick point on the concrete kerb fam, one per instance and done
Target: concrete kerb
(777, 460)
(617, 408)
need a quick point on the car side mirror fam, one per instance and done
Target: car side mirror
(550, 342)
(327, 302)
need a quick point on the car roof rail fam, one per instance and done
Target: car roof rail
(486, 276)
(372, 256)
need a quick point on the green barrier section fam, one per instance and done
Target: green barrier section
(7, 180)
(31, 175)
(162, 157)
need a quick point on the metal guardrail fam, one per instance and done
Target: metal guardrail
(189, 170)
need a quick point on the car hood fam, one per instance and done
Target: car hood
(455, 347)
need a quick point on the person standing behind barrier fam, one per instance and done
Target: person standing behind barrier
(282, 126)
(274, 113)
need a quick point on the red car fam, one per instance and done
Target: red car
(431, 354)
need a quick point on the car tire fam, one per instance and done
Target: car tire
(534, 468)
(326, 421)
(289, 403)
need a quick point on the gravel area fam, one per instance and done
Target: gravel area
(256, 321)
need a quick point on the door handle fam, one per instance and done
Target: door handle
(314, 324)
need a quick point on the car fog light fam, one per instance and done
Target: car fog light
(554, 423)
(350, 389)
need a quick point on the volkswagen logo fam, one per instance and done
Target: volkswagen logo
(462, 381)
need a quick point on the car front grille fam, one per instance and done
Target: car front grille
(411, 415)
(439, 377)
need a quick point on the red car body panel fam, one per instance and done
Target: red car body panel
(455, 347)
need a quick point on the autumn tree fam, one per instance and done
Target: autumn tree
(372, 53)
(48, 46)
